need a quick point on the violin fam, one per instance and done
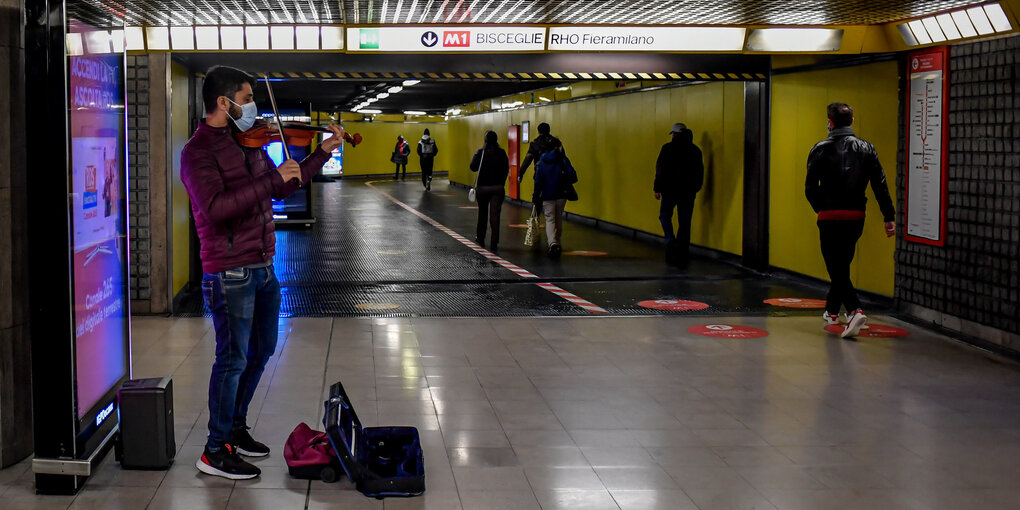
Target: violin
(290, 133)
(295, 133)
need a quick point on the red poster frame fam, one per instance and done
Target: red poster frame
(513, 146)
(942, 54)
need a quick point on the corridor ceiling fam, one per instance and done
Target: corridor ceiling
(630, 12)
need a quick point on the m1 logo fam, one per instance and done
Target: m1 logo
(457, 39)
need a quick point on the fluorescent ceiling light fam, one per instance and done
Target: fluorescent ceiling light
(917, 27)
(394, 90)
(409, 83)
(117, 38)
(74, 45)
(157, 38)
(383, 95)
(207, 38)
(561, 89)
(964, 24)
(98, 42)
(544, 99)
(371, 111)
(182, 38)
(795, 39)
(998, 18)
(307, 38)
(135, 38)
(933, 29)
(948, 27)
(371, 99)
(908, 36)
(413, 112)
(256, 38)
(707, 38)
(232, 38)
(332, 38)
(980, 20)
(282, 37)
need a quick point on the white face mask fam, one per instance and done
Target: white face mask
(249, 112)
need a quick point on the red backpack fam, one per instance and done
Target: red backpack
(310, 456)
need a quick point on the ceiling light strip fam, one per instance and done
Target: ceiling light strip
(481, 11)
(998, 18)
(439, 12)
(410, 12)
(502, 5)
(425, 11)
(396, 11)
(453, 12)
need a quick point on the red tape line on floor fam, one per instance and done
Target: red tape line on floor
(582, 303)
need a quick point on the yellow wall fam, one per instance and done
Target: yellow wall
(613, 143)
(179, 134)
(798, 122)
(372, 156)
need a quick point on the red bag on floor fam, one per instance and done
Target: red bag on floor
(309, 455)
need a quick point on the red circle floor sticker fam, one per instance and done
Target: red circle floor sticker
(673, 305)
(872, 331)
(727, 331)
(789, 302)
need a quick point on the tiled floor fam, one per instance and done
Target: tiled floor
(593, 413)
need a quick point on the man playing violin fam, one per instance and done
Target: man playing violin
(231, 188)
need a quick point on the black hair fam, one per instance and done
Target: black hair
(543, 128)
(223, 81)
(491, 138)
(840, 114)
(427, 131)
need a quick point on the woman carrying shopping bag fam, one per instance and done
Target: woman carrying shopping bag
(493, 167)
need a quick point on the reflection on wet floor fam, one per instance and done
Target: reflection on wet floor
(714, 400)
(389, 242)
(598, 412)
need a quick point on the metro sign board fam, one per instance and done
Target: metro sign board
(429, 39)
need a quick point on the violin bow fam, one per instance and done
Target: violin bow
(276, 113)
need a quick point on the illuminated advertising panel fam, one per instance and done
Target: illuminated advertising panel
(99, 255)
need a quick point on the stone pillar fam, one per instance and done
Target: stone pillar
(147, 91)
(15, 347)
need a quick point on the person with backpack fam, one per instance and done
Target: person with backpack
(399, 156)
(493, 167)
(539, 146)
(554, 185)
(427, 151)
(679, 175)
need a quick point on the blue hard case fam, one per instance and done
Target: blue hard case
(381, 461)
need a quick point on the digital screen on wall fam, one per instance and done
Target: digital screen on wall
(298, 202)
(334, 166)
(99, 219)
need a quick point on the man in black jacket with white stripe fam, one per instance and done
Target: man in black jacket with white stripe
(839, 170)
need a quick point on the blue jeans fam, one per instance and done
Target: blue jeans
(245, 305)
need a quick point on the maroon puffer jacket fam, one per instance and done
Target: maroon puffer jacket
(230, 189)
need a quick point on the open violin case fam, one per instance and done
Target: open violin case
(381, 461)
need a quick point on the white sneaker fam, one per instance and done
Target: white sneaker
(854, 323)
(830, 318)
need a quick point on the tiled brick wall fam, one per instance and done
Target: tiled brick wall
(975, 278)
(138, 173)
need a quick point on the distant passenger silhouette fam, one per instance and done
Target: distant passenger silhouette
(493, 167)
(679, 175)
